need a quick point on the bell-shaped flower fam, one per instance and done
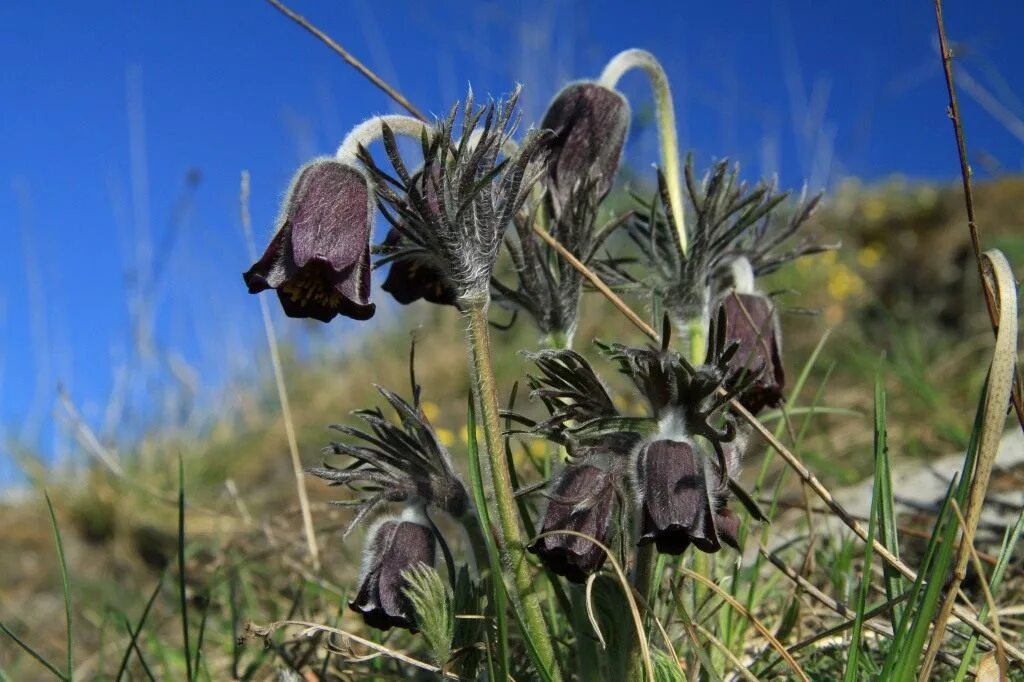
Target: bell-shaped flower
(319, 260)
(415, 273)
(412, 278)
(682, 499)
(583, 502)
(752, 323)
(393, 546)
(589, 122)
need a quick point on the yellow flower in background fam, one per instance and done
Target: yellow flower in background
(844, 283)
(869, 256)
(430, 410)
(874, 209)
(446, 436)
(537, 447)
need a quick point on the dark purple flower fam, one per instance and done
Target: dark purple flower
(583, 500)
(393, 547)
(680, 506)
(590, 123)
(319, 260)
(416, 276)
(751, 321)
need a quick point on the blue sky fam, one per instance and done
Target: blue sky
(108, 108)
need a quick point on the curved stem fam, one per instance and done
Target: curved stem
(372, 129)
(641, 59)
(499, 494)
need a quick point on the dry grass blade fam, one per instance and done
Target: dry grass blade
(590, 610)
(997, 396)
(351, 60)
(993, 611)
(263, 632)
(641, 634)
(758, 625)
(965, 174)
(282, 393)
(737, 663)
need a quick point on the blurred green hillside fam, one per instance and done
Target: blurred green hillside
(903, 284)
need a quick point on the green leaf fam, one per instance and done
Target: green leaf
(498, 596)
(435, 616)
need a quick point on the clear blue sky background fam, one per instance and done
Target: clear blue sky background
(812, 90)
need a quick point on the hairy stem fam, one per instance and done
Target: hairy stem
(372, 129)
(641, 59)
(499, 494)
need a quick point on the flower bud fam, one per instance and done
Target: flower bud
(393, 546)
(583, 501)
(590, 123)
(751, 321)
(319, 260)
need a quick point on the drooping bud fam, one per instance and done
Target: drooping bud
(583, 500)
(590, 122)
(319, 260)
(752, 322)
(393, 546)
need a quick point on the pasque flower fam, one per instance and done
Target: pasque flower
(583, 501)
(683, 473)
(684, 498)
(585, 495)
(589, 122)
(415, 272)
(393, 546)
(319, 260)
(752, 323)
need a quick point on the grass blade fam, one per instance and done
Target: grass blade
(181, 568)
(895, 584)
(484, 517)
(134, 634)
(877, 511)
(32, 652)
(1009, 545)
(65, 584)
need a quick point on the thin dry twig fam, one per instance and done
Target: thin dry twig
(965, 173)
(351, 60)
(264, 632)
(282, 393)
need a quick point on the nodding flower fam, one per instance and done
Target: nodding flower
(415, 272)
(583, 501)
(590, 123)
(586, 495)
(753, 324)
(393, 546)
(683, 497)
(319, 259)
